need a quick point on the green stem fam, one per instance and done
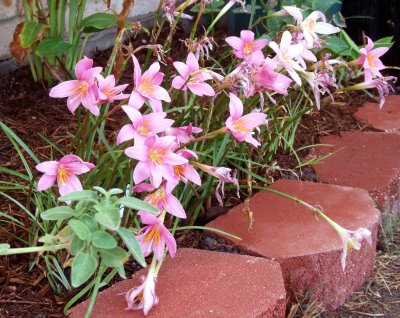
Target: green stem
(219, 16)
(34, 249)
(96, 287)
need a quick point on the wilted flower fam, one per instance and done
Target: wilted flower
(241, 127)
(155, 236)
(191, 77)
(83, 90)
(224, 175)
(65, 172)
(147, 87)
(319, 83)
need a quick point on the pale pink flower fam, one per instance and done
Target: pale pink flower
(162, 199)
(143, 296)
(286, 55)
(370, 61)
(267, 78)
(224, 175)
(351, 240)
(108, 92)
(156, 159)
(183, 134)
(169, 8)
(142, 126)
(319, 83)
(310, 26)
(155, 236)
(83, 90)
(147, 87)
(241, 127)
(65, 172)
(191, 77)
(245, 46)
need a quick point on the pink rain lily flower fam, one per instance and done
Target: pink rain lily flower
(370, 61)
(143, 126)
(185, 172)
(183, 134)
(147, 87)
(245, 46)
(267, 78)
(224, 175)
(241, 127)
(108, 92)
(65, 172)
(319, 83)
(192, 78)
(286, 53)
(156, 159)
(143, 296)
(162, 199)
(83, 90)
(154, 237)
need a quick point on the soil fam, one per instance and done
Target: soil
(26, 108)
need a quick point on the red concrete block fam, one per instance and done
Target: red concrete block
(308, 249)
(198, 283)
(386, 119)
(366, 160)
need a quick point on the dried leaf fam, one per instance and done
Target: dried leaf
(16, 49)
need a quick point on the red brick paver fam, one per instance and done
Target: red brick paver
(366, 160)
(199, 283)
(307, 248)
(386, 119)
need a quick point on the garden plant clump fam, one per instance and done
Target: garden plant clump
(193, 128)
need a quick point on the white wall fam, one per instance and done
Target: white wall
(11, 14)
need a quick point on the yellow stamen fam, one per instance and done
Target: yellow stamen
(63, 175)
(146, 86)
(154, 234)
(156, 155)
(145, 128)
(248, 48)
(240, 126)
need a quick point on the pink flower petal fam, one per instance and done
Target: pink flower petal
(82, 66)
(173, 206)
(46, 181)
(235, 106)
(64, 89)
(72, 184)
(136, 100)
(141, 172)
(127, 132)
(48, 167)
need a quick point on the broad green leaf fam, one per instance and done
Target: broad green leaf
(90, 222)
(30, 33)
(64, 235)
(104, 240)
(79, 195)
(132, 244)
(114, 257)
(83, 268)
(134, 203)
(338, 46)
(115, 191)
(52, 47)
(77, 245)
(80, 229)
(384, 42)
(98, 22)
(47, 239)
(323, 5)
(58, 213)
(110, 219)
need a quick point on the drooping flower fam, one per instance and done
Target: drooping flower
(170, 12)
(108, 92)
(224, 175)
(142, 126)
(147, 87)
(286, 55)
(319, 83)
(370, 61)
(154, 237)
(162, 199)
(192, 78)
(351, 240)
(241, 127)
(156, 159)
(83, 90)
(65, 172)
(382, 84)
(143, 296)
(245, 46)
